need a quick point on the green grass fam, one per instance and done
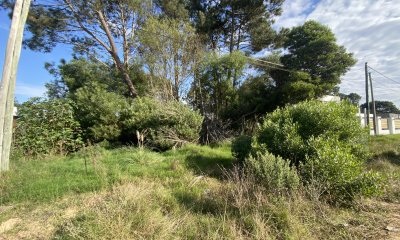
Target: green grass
(385, 158)
(43, 180)
(386, 150)
(128, 193)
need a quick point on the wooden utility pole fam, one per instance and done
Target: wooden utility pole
(7, 87)
(366, 94)
(373, 104)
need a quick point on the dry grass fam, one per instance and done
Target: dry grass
(170, 196)
(145, 209)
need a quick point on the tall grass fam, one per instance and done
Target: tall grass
(195, 192)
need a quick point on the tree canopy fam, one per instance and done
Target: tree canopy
(104, 31)
(383, 107)
(353, 98)
(316, 58)
(195, 51)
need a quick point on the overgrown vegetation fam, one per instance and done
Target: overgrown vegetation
(324, 141)
(112, 153)
(132, 193)
(274, 173)
(47, 127)
(163, 124)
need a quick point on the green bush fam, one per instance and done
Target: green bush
(342, 173)
(241, 147)
(326, 141)
(274, 173)
(98, 112)
(286, 131)
(164, 124)
(46, 126)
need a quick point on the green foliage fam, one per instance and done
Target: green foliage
(326, 141)
(238, 23)
(46, 126)
(213, 89)
(172, 57)
(241, 148)
(353, 98)
(317, 63)
(313, 49)
(383, 107)
(286, 131)
(164, 124)
(175, 9)
(341, 173)
(274, 173)
(77, 73)
(99, 111)
(299, 90)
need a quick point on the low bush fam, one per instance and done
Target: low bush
(164, 124)
(241, 147)
(325, 141)
(333, 165)
(274, 173)
(98, 112)
(286, 131)
(46, 126)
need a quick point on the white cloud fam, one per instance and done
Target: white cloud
(27, 91)
(367, 28)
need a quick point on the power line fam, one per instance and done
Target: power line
(383, 75)
(261, 60)
(274, 67)
(269, 66)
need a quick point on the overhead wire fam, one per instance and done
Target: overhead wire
(383, 75)
(269, 66)
(264, 61)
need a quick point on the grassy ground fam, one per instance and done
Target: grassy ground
(189, 193)
(385, 158)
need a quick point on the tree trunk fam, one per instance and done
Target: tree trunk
(7, 87)
(176, 77)
(114, 54)
(129, 82)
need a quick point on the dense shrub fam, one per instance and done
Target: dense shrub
(98, 112)
(46, 126)
(286, 131)
(325, 141)
(241, 147)
(164, 124)
(274, 173)
(341, 173)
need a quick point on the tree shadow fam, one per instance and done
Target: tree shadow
(391, 156)
(199, 203)
(212, 166)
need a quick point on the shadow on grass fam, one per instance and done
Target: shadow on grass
(199, 203)
(391, 156)
(211, 166)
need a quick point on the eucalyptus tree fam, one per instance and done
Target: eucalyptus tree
(104, 30)
(172, 57)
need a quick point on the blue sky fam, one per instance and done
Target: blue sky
(368, 28)
(31, 75)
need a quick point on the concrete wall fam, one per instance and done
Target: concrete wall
(385, 126)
